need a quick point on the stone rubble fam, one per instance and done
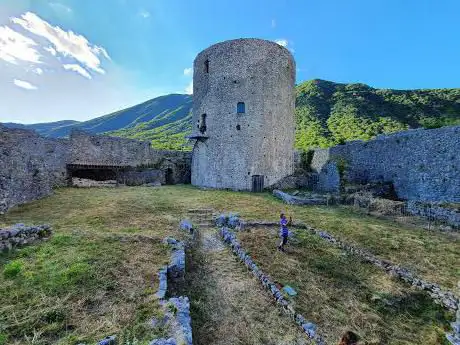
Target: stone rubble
(444, 297)
(177, 309)
(230, 220)
(186, 225)
(176, 267)
(110, 340)
(434, 211)
(309, 328)
(454, 337)
(296, 200)
(21, 235)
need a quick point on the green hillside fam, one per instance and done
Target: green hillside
(330, 113)
(327, 114)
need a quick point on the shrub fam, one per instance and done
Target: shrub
(12, 269)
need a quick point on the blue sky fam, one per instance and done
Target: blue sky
(78, 59)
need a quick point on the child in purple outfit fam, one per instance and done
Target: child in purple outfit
(284, 232)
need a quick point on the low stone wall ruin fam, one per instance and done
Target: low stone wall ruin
(177, 309)
(441, 296)
(309, 328)
(20, 235)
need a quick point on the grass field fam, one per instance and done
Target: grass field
(339, 292)
(86, 283)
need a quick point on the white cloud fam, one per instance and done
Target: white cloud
(51, 50)
(66, 43)
(15, 47)
(273, 23)
(24, 84)
(38, 71)
(77, 68)
(188, 71)
(144, 13)
(189, 89)
(282, 42)
(60, 8)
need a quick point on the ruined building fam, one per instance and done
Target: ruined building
(31, 165)
(243, 112)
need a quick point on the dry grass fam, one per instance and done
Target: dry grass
(341, 293)
(79, 288)
(228, 304)
(89, 216)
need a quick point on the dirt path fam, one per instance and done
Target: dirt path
(228, 305)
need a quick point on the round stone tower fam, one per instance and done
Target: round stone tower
(243, 115)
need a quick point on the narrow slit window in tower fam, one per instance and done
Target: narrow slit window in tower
(206, 66)
(240, 108)
(202, 127)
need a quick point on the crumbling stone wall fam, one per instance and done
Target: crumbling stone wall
(422, 164)
(30, 166)
(99, 149)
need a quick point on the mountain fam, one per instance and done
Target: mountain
(327, 114)
(44, 128)
(160, 119)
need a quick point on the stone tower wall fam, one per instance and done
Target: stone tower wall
(259, 142)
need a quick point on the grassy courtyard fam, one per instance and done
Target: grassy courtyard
(95, 277)
(339, 292)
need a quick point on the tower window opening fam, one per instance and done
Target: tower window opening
(240, 108)
(202, 126)
(206, 66)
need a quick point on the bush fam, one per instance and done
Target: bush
(12, 269)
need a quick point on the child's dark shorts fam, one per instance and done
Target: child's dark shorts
(285, 239)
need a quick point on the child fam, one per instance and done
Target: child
(284, 232)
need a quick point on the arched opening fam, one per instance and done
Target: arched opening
(169, 176)
(206, 66)
(240, 108)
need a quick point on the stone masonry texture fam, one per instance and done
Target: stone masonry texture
(239, 145)
(423, 165)
(31, 165)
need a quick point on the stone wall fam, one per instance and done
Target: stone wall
(99, 149)
(31, 165)
(421, 164)
(20, 235)
(235, 145)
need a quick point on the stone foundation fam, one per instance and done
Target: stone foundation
(21, 235)
(443, 297)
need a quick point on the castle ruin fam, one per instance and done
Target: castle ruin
(243, 109)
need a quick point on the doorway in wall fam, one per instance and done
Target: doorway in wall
(169, 178)
(257, 183)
